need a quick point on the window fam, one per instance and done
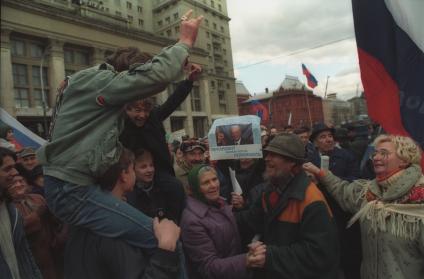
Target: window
(208, 35)
(212, 84)
(224, 51)
(177, 29)
(177, 123)
(168, 20)
(160, 22)
(222, 29)
(222, 102)
(36, 50)
(118, 13)
(130, 19)
(176, 16)
(26, 60)
(199, 126)
(139, 9)
(219, 7)
(141, 23)
(220, 84)
(206, 22)
(228, 86)
(18, 48)
(208, 46)
(129, 5)
(196, 102)
(212, 4)
(169, 33)
(76, 58)
(214, 25)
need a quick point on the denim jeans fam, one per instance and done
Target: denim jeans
(102, 213)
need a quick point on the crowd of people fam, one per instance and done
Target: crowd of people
(109, 197)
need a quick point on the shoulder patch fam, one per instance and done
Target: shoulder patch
(100, 100)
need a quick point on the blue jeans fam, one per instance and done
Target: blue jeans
(90, 207)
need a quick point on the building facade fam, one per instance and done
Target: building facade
(291, 104)
(336, 112)
(42, 41)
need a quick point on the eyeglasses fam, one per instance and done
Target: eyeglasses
(383, 153)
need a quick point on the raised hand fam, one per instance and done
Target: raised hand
(189, 28)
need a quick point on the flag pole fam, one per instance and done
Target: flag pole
(326, 85)
(307, 105)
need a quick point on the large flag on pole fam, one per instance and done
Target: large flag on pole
(390, 40)
(311, 80)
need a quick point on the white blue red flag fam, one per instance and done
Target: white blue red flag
(260, 110)
(23, 135)
(390, 40)
(311, 80)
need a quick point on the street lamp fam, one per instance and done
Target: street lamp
(43, 96)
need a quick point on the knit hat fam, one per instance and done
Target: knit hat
(288, 145)
(194, 181)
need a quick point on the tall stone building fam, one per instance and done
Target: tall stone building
(336, 112)
(61, 37)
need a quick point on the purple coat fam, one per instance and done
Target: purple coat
(211, 242)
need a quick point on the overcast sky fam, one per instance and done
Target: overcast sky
(282, 31)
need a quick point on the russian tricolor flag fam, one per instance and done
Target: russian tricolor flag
(390, 40)
(23, 136)
(260, 110)
(312, 81)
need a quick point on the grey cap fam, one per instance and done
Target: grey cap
(288, 145)
(25, 152)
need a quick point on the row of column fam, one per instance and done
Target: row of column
(54, 59)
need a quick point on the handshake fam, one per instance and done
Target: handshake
(255, 258)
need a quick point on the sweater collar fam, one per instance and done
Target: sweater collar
(397, 185)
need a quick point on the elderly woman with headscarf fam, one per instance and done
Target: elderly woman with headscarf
(209, 231)
(390, 208)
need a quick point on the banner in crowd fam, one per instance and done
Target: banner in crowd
(235, 138)
(23, 135)
(390, 40)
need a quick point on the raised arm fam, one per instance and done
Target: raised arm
(349, 195)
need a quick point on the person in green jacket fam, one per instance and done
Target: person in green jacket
(85, 139)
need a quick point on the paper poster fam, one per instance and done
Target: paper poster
(235, 138)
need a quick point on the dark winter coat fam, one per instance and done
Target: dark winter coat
(344, 165)
(92, 256)
(299, 232)
(26, 263)
(166, 194)
(152, 135)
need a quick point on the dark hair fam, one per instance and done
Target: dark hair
(4, 152)
(124, 57)
(301, 130)
(140, 152)
(111, 176)
(148, 102)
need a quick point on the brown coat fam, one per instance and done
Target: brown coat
(39, 230)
